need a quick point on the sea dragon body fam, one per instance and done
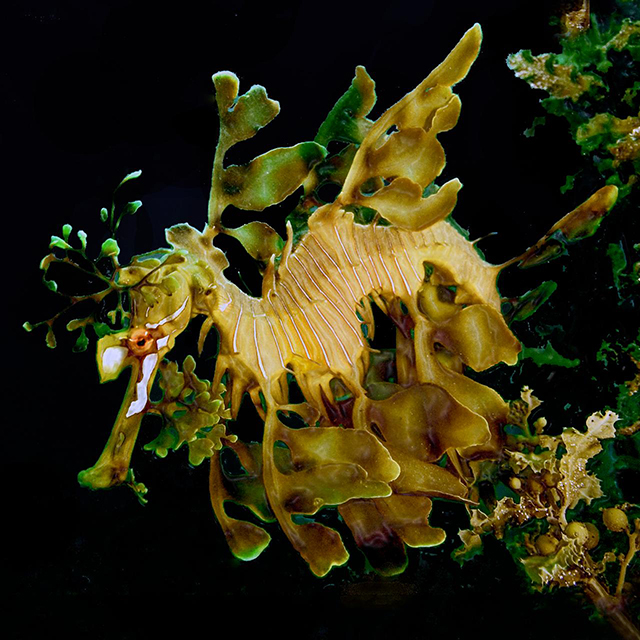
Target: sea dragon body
(370, 446)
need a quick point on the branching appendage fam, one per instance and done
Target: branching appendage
(378, 434)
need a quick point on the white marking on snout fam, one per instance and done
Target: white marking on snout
(173, 316)
(138, 405)
(113, 358)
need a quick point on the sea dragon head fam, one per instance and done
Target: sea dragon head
(166, 289)
(160, 292)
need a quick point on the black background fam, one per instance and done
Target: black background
(94, 90)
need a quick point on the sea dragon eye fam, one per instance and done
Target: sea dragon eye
(141, 342)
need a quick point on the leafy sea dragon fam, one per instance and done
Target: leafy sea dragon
(373, 445)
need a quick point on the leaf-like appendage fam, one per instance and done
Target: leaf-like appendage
(347, 120)
(130, 176)
(422, 423)
(246, 540)
(585, 219)
(260, 240)
(314, 467)
(330, 466)
(481, 337)
(402, 204)
(383, 526)
(346, 123)
(452, 316)
(402, 145)
(580, 223)
(271, 177)
(241, 118)
(527, 304)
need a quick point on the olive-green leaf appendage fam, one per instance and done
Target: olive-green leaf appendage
(241, 118)
(346, 123)
(132, 207)
(260, 240)
(226, 84)
(271, 177)
(330, 466)
(82, 342)
(246, 540)
(51, 338)
(526, 305)
(578, 224)
(347, 120)
(59, 243)
(382, 527)
(138, 488)
(314, 467)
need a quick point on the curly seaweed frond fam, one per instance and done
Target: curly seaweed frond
(558, 492)
(593, 83)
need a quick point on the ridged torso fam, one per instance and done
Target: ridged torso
(314, 309)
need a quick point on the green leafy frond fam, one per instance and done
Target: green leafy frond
(192, 413)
